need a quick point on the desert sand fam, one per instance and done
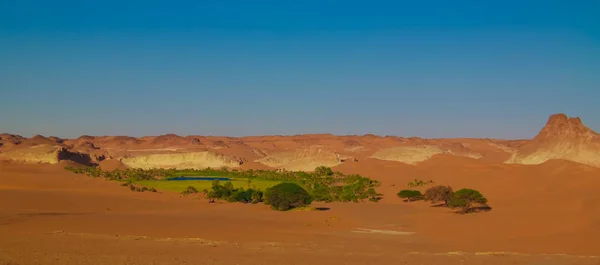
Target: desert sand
(543, 193)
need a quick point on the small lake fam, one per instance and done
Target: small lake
(182, 178)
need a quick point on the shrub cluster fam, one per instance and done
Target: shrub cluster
(330, 188)
(286, 196)
(189, 190)
(464, 199)
(139, 189)
(419, 183)
(321, 185)
(133, 174)
(439, 193)
(282, 197)
(410, 195)
(228, 192)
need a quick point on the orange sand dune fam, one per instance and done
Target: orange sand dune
(537, 210)
(543, 201)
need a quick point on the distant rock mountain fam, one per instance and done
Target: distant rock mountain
(562, 138)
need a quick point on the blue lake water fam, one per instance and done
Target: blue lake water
(183, 178)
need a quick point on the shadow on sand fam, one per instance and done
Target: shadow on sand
(439, 205)
(474, 209)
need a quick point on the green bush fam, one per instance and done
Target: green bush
(212, 196)
(351, 188)
(189, 190)
(439, 193)
(228, 186)
(322, 193)
(323, 171)
(374, 197)
(241, 195)
(419, 183)
(465, 198)
(285, 196)
(410, 195)
(221, 191)
(229, 193)
(257, 196)
(139, 189)
(358, 188)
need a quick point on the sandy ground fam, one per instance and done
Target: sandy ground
(544, 214)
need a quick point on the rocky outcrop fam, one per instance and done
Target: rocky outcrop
(195, 160)
(407, 154)
(50, 154)
(423, 150)
(306, 159)
(561, 138)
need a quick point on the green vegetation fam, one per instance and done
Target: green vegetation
(246, 185)
(128, 174)
(338, 187)
(231, 194)
(324, 171)
(419, 183)
(323, 185)
(410, 195)
(140, 189)
(247, 196)
(179, 186)
(465, 199)
(189, 190)
(286, 196)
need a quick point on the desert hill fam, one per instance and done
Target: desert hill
(562, 138)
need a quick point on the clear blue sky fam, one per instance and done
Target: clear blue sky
(407, 68)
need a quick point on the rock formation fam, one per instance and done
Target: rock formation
(562, 138)
(305, 159)
(195, 160)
